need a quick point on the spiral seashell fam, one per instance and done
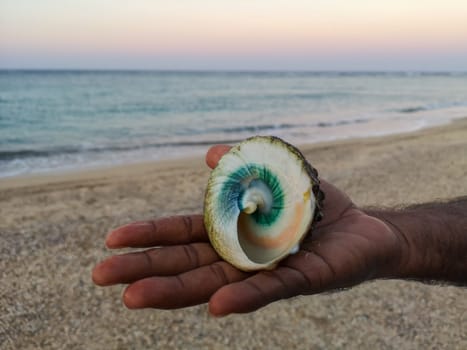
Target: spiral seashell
(261, 200)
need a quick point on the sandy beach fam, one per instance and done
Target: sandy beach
(52, 231)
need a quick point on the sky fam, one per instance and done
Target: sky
(234, 34)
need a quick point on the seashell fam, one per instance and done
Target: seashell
(261, 200)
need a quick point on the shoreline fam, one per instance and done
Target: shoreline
(138, 167)
(334, 132)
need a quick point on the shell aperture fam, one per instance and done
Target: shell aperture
(260, 202)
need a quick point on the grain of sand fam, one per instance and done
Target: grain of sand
(52, 233)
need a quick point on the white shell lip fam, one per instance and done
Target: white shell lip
(246, 237)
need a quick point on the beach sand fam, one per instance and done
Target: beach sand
(52, 232)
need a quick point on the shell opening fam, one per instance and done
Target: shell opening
(256, 248)
(260, 207)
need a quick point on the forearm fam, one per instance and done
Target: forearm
(433, 241)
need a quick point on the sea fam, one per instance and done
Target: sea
(55, 121)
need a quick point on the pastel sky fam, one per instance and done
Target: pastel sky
(234, 34)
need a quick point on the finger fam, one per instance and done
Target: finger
(215, 153)
(257, 291)
(318, 271)
(187, 289)
(165, 261)
(165, 231)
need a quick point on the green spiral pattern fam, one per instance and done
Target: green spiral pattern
(240, 180)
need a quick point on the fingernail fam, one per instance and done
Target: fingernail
(215, 315)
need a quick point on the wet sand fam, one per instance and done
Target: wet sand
(52, 231)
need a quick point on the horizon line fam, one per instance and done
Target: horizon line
(233, 70)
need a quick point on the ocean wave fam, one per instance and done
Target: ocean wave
(254, 128)
(431, 107)
(341, 122)
(411, 109)
(307, 95)
(274, 127)
(44, 153)
(11, 155)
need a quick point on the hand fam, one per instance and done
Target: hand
(347, 247)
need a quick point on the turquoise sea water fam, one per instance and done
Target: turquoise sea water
(63, 120)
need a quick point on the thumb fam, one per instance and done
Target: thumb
(215, 153)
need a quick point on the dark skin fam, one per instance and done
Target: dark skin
(347, 247)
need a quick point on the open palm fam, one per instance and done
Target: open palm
(345, 248)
